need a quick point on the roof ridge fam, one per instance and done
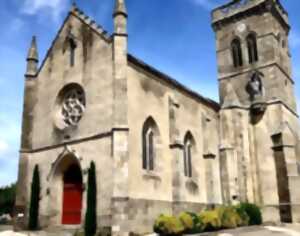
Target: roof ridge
(76, 11)
(167, 78)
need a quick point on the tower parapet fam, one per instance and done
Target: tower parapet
(241, 8)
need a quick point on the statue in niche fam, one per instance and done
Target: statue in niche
(255, 87)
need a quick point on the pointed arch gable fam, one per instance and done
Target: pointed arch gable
(67, 155)
(150, 122)
(189, 137)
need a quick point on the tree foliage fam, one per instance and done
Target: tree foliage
(34, 200)
(91, 213)
(7, 199)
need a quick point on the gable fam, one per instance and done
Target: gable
(87, 25)
(91, 70)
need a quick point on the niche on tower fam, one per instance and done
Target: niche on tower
(256, 91)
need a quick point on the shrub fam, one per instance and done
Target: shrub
(191, 222)
(90, 227)
(229, 217)
(34, 200)
(243, 216)
(168, 226)
(211, 220)
(253, 212)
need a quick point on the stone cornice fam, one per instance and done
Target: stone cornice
(267, 103)
(72, 142)
(248, 70)
(280, 147)
(228, 13)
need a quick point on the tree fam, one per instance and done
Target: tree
(34, 200)
(7, 199)
(91, 212)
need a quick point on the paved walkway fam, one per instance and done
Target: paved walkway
(288, 230)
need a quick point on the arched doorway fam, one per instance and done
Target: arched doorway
(72, 195)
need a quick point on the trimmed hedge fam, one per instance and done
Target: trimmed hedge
(224, 217)
(211, 219)
(191, 222)
(168, 226)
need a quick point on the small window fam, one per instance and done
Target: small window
(236, 51)
(252, 48)
(187, 152)
(72, 45)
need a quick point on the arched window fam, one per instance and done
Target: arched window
(187, 154)
(236, 51)
(252, 48)
(150, 139)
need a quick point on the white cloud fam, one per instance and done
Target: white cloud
(206, 4)
(53, 7)
(3, 147)
(295, 39)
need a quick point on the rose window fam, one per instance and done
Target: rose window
(73, 106)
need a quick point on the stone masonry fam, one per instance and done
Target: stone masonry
(158, 146)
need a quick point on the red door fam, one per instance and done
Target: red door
(72, 201)
(72, 196)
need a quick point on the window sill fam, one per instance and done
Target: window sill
(150, 174)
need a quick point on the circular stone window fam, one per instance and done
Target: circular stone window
(70, 106)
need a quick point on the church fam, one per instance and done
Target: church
(158, 146)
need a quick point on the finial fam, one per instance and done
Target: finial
(32, 60)
(74, 6)
(120, 8)
(33, 52)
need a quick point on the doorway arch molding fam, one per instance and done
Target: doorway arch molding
(66, 153)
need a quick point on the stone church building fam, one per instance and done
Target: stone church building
(158, 146)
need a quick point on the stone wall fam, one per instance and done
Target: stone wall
(191, 115)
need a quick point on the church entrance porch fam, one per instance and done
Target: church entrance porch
(72, 196)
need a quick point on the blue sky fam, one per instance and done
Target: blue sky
(173, 35)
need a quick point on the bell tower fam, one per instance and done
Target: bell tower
(257, 98)
(252, 36)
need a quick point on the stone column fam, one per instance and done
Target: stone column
(120, 199)
(287, 175)
(120, 131)
(176, 147)
(229, 175)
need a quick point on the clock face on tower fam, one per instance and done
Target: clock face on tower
(241, 27)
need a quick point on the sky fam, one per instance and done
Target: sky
(174, 36)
